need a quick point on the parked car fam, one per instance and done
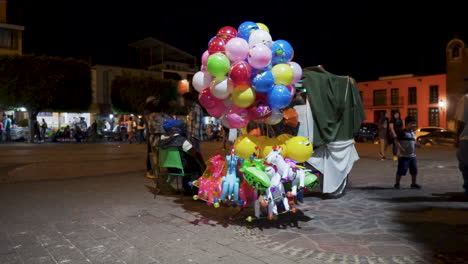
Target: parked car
(438, 138)
(367, 132)
(426, 130)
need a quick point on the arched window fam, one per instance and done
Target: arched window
(456, 51)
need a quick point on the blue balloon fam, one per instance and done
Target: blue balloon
(263, 82)
(245, 29)
(281, 52)
(279, 96)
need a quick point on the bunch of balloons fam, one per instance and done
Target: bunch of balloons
(246, 76)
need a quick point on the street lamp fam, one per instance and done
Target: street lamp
(442, 104)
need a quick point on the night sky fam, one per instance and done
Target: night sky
(364, 41)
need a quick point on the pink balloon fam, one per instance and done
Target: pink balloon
(297, 71)
(204, 58)
(237, 49)
(259, 56)
(237, 117)
(291, 89)
(207, 99)
(247, 194)
(217, 110)
(224, 122)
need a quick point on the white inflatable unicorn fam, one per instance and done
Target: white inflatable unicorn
(275, 192)
(287, 169)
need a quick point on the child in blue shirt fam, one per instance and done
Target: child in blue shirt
(406, 142)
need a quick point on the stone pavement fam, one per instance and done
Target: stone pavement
(89, 203)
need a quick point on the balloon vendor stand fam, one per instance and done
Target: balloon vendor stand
(246, 77)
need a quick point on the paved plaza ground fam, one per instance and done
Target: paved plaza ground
(90, 203)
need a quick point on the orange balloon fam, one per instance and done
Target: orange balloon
(182, 86)
(290, 117)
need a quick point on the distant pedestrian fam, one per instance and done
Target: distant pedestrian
(406, 142)
(7, 127)
(141, 130)
(225, 137)
(383, 134)
(462, 152)
(396, 127)
(1, 131)
(37, 130)
(154, 119)
(43, 130)
(131, 126)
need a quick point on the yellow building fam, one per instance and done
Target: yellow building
(11, 36)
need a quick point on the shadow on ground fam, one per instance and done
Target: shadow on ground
(441, 228)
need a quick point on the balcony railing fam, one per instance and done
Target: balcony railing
(369, 102)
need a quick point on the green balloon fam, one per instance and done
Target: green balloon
(218, 64)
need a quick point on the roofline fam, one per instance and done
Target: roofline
(414, 77)
(11, 26)
(162, 43)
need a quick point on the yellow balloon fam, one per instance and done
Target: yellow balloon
(300, 149)
(267, 146)
(284, 137)
(246, 146)
(282, 73)
(262, 26)
(243, 98)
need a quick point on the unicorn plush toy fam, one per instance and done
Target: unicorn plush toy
(275, 193)
(230, 182)
(287, 169)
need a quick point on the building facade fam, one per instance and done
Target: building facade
(11, 36)
(423, 97)
(431, 99)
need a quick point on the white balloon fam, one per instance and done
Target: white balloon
(221, 89)
(297, 71)
(260, 36)
(275, 118)
(201, 80)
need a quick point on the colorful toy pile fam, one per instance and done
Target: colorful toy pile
(245, 76)
(263, 172)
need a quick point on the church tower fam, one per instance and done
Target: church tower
(457, 71)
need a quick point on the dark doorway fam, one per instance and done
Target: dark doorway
(378, 114)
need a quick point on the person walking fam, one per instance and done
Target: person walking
(406, 142)
(154, 119)
(1, 131)
(7, 127)
(131, 125)
(383, 134)
(462, 130)
(141, 130)
(396, 127)
(43, 130)
(194, 120)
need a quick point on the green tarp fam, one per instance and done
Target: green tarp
(336, 105)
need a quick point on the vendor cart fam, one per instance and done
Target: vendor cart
(331, 116)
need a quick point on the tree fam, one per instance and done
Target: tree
(42, 83)
(129, 93)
